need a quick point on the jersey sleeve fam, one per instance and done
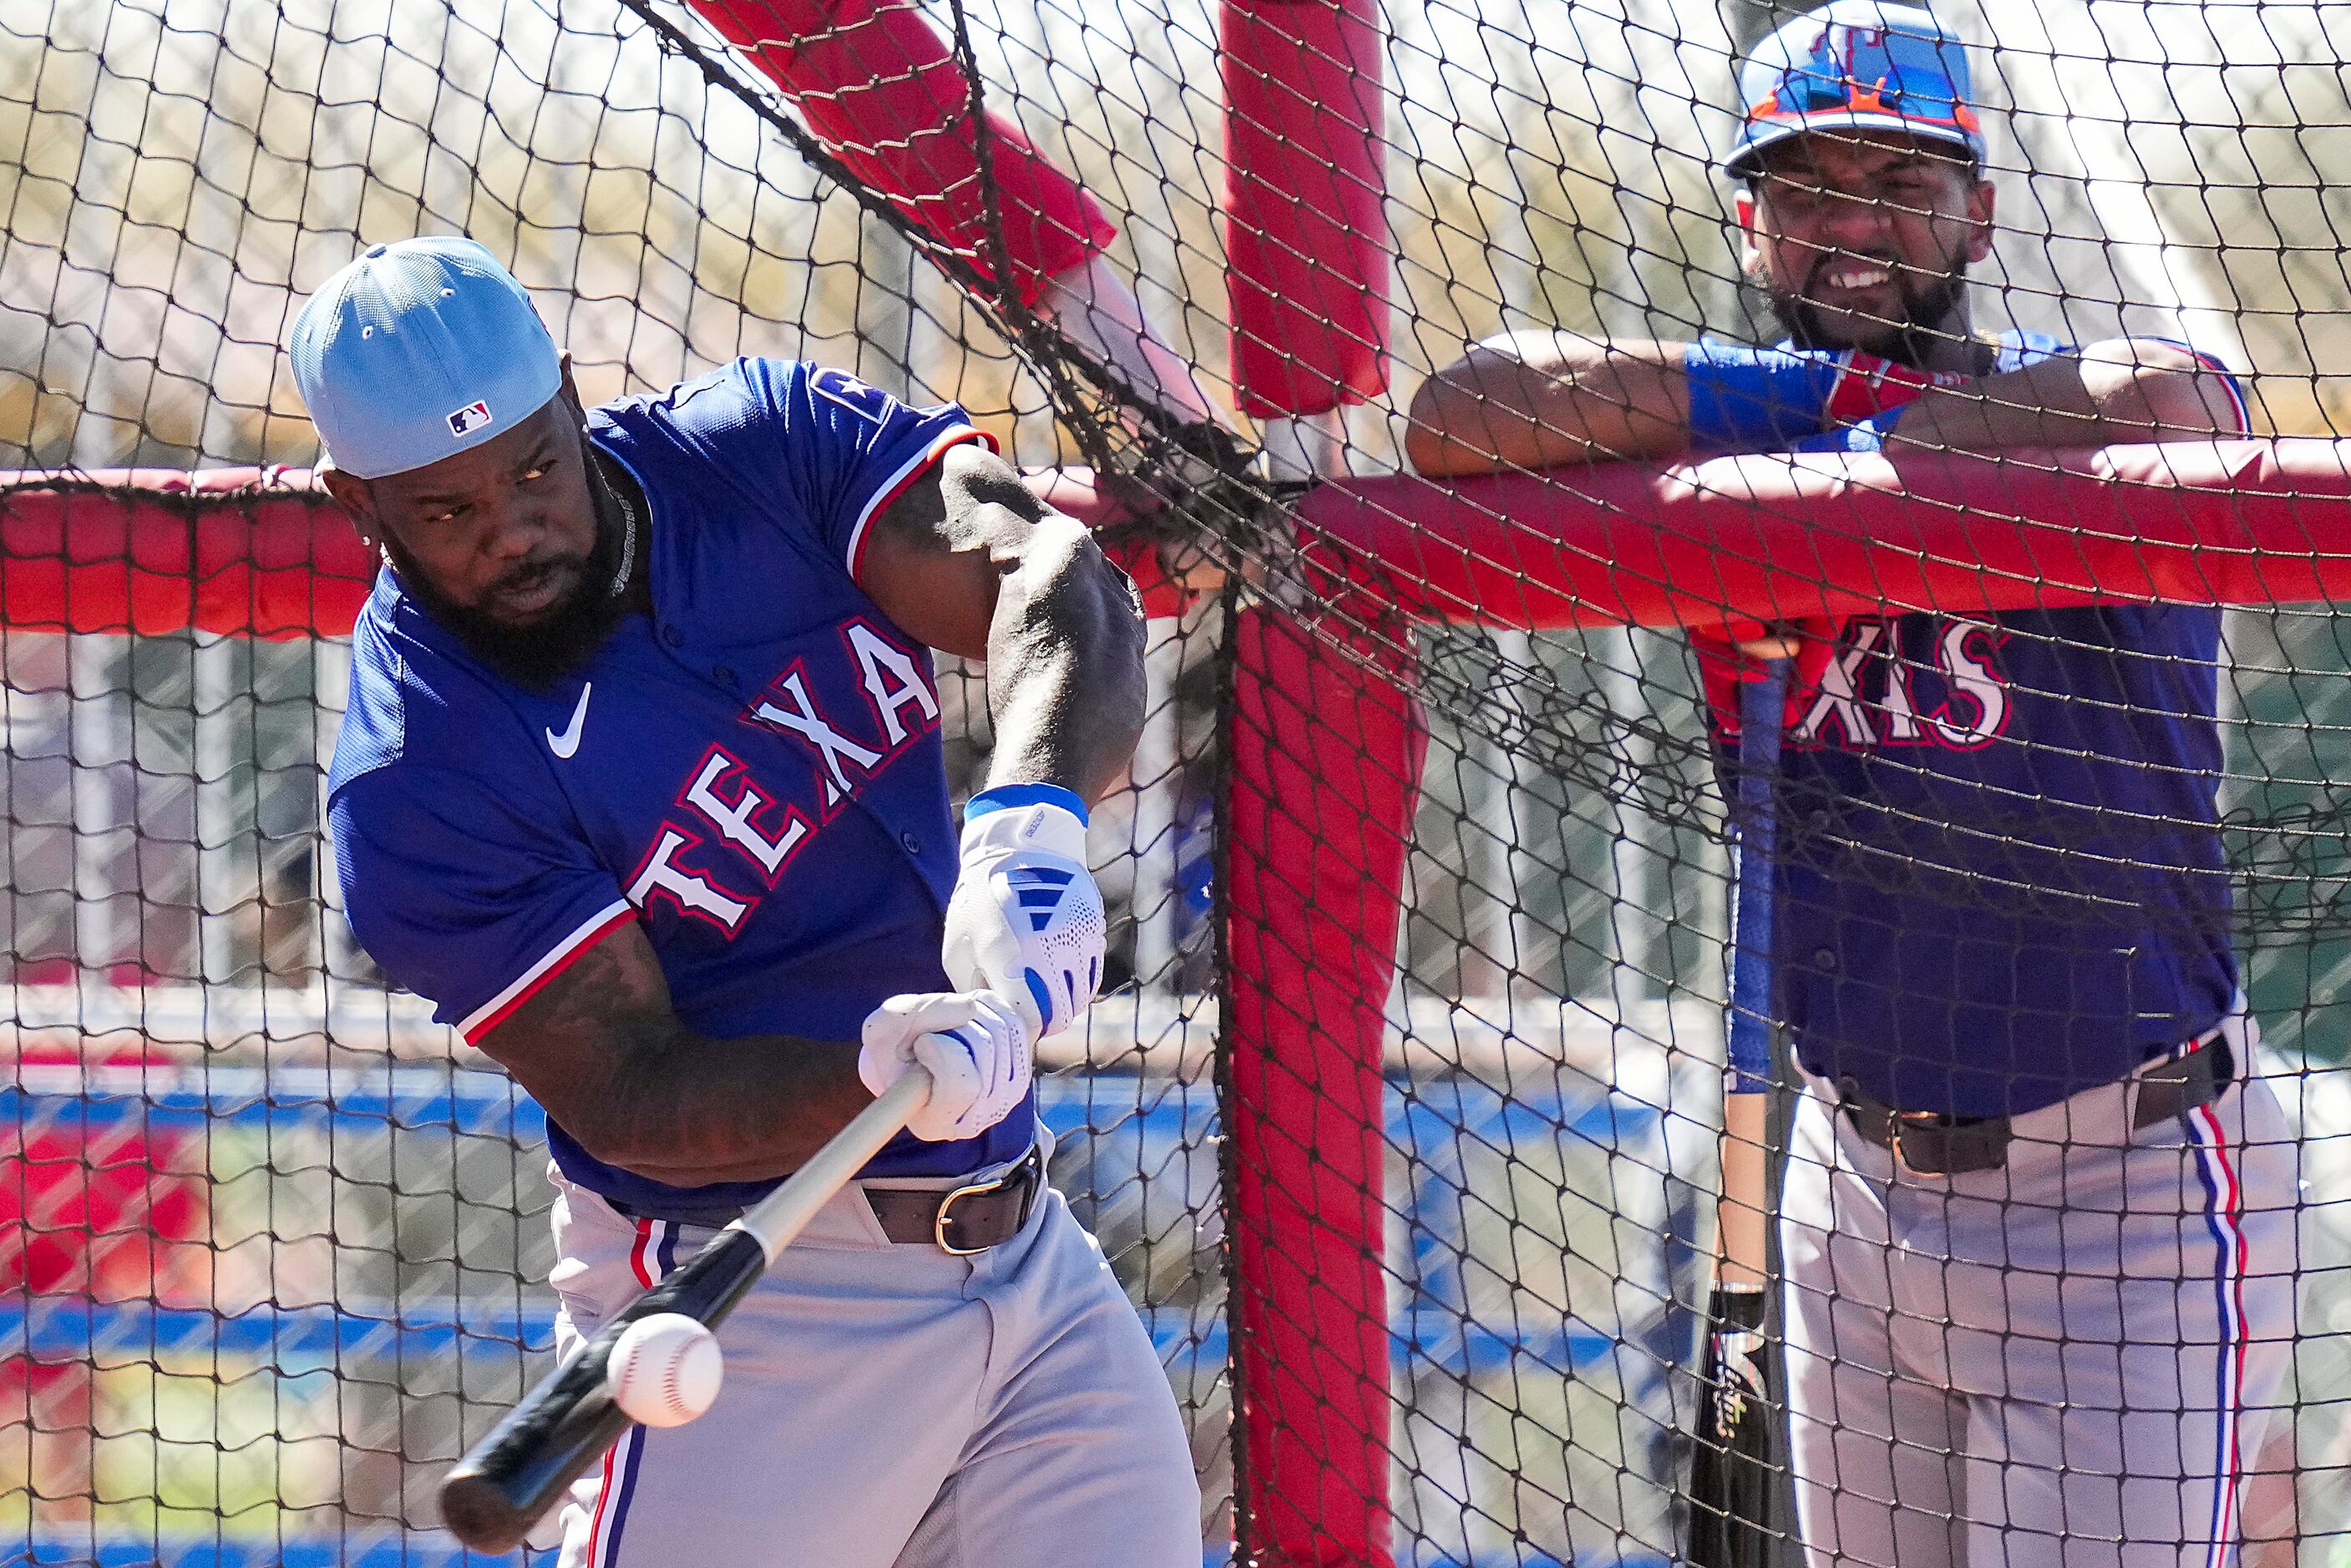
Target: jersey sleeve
(463, 893)
(850, 449)
(2230, 382)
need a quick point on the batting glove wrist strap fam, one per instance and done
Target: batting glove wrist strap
(1026, 919)
(1003, 797)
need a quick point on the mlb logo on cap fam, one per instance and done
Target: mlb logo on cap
(470, 417)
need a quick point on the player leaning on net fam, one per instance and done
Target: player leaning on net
(641, 785)
(2037, 1224)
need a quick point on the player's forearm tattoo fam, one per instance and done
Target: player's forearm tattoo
(601, 1047)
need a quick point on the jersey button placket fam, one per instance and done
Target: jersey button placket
(910, 843)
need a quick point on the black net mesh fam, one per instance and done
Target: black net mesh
(1399, 1115)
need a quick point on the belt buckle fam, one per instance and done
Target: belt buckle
(1900, 1122)
(1011, 1174)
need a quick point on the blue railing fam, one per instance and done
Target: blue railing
(1434, 1124)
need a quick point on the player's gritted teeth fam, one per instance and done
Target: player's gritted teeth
(1843, 278)
(1866, 296)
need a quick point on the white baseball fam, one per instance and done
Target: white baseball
(664, 1370)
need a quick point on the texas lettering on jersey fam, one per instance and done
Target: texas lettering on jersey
(757, 830)
(1909, 681)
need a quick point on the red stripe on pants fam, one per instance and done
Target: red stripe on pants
(1326, 744)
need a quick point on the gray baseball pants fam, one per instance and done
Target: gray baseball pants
(890, 1406)
(2058, 1363)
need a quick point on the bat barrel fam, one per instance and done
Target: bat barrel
(511, 1478)
(507, 1484)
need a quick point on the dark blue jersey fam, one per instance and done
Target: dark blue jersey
(753, 771)
(2002, 878)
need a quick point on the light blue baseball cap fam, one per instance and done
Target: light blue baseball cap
(1860, 64)
(417, 351)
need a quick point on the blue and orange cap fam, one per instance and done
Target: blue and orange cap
(1857, 65)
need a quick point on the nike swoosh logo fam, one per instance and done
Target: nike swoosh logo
(564, 745)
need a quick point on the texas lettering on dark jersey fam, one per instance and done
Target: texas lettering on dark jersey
(761, 825)
(1876, 692)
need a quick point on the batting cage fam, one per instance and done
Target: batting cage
(1920, 751)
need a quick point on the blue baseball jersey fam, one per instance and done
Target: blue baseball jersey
(2001, 878)
(753, 772)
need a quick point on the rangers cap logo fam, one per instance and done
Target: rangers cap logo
(472, 417)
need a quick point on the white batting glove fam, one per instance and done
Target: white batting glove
(1026, 919)
(972, 1042)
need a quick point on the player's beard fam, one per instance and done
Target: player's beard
(1932, 311)
(538, 656)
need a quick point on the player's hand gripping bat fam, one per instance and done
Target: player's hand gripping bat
(515, 1474)
(1734, 1468)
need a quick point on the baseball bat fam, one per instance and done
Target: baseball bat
(1733, 1468)
(497, 1491)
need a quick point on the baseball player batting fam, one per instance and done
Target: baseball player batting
(640, 783)
(2037, 1221)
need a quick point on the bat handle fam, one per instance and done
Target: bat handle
(1742, 1217)
(1762, 710)
(776, 1219)
(510, 1479)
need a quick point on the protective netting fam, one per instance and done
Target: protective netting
(1398, 1116)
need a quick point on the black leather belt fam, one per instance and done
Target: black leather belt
(959, 1220)
(1928, 1143)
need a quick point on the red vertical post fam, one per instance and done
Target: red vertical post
(1307, 250)
(1326, 744)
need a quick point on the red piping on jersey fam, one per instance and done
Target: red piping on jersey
(902, 482)
(561, 957)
